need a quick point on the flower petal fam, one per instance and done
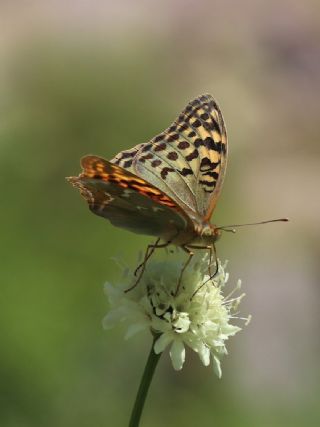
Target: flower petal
(204, 354)
(230, 330)
(134, 329)
(177, 354)
(182, 323)
(112, 318)
(162, 342)
(217, 366)
(113, 293)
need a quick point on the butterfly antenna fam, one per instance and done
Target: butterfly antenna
(231, 228)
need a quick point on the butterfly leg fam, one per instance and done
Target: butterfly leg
(190, 253)
(216, 260)
(150, 250)
(212, 250)
(211, 276)
(148, 253)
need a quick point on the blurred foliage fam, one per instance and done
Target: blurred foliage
(58, 367)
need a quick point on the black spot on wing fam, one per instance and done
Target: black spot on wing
(207, 165)
(208, 143)
(183, 145)
(205, 116)
(127, 154)
(148, 156)
(158, 138)
(212, 174)
(196, 123)
(160, 147)
(156, 163)
(186, 172)
(127, 164)
(173, 155)
(165, 171)
(183, 127)
(147, 147)
(193, 155)
(221, 148)
(173, 137)
(211, 126)
(207, 183)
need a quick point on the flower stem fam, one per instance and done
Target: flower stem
(144, 386)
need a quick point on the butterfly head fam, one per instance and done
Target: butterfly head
(210, 234)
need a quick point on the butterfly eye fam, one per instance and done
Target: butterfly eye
(217, 233)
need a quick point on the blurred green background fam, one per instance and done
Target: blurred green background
(72, 73)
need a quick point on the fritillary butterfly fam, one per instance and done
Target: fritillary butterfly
(167, 187)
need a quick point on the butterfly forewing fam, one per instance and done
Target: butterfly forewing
(128, 201)
(188, 160)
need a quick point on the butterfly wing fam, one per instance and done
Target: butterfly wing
(128, 201)
(187, 161)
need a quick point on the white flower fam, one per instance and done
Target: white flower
(198, 316)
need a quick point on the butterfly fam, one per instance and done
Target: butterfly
(167, 187)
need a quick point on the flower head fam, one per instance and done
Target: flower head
(197, 316)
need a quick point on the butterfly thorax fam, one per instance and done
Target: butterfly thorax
(202, 234)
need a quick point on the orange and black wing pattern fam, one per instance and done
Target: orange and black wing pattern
(127, 200)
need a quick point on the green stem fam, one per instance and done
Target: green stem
(144, 386)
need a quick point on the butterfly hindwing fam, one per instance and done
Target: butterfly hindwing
(188, 160)
(126, 200)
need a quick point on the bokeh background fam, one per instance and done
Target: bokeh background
(81, 77)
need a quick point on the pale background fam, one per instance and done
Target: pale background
(81, 77)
